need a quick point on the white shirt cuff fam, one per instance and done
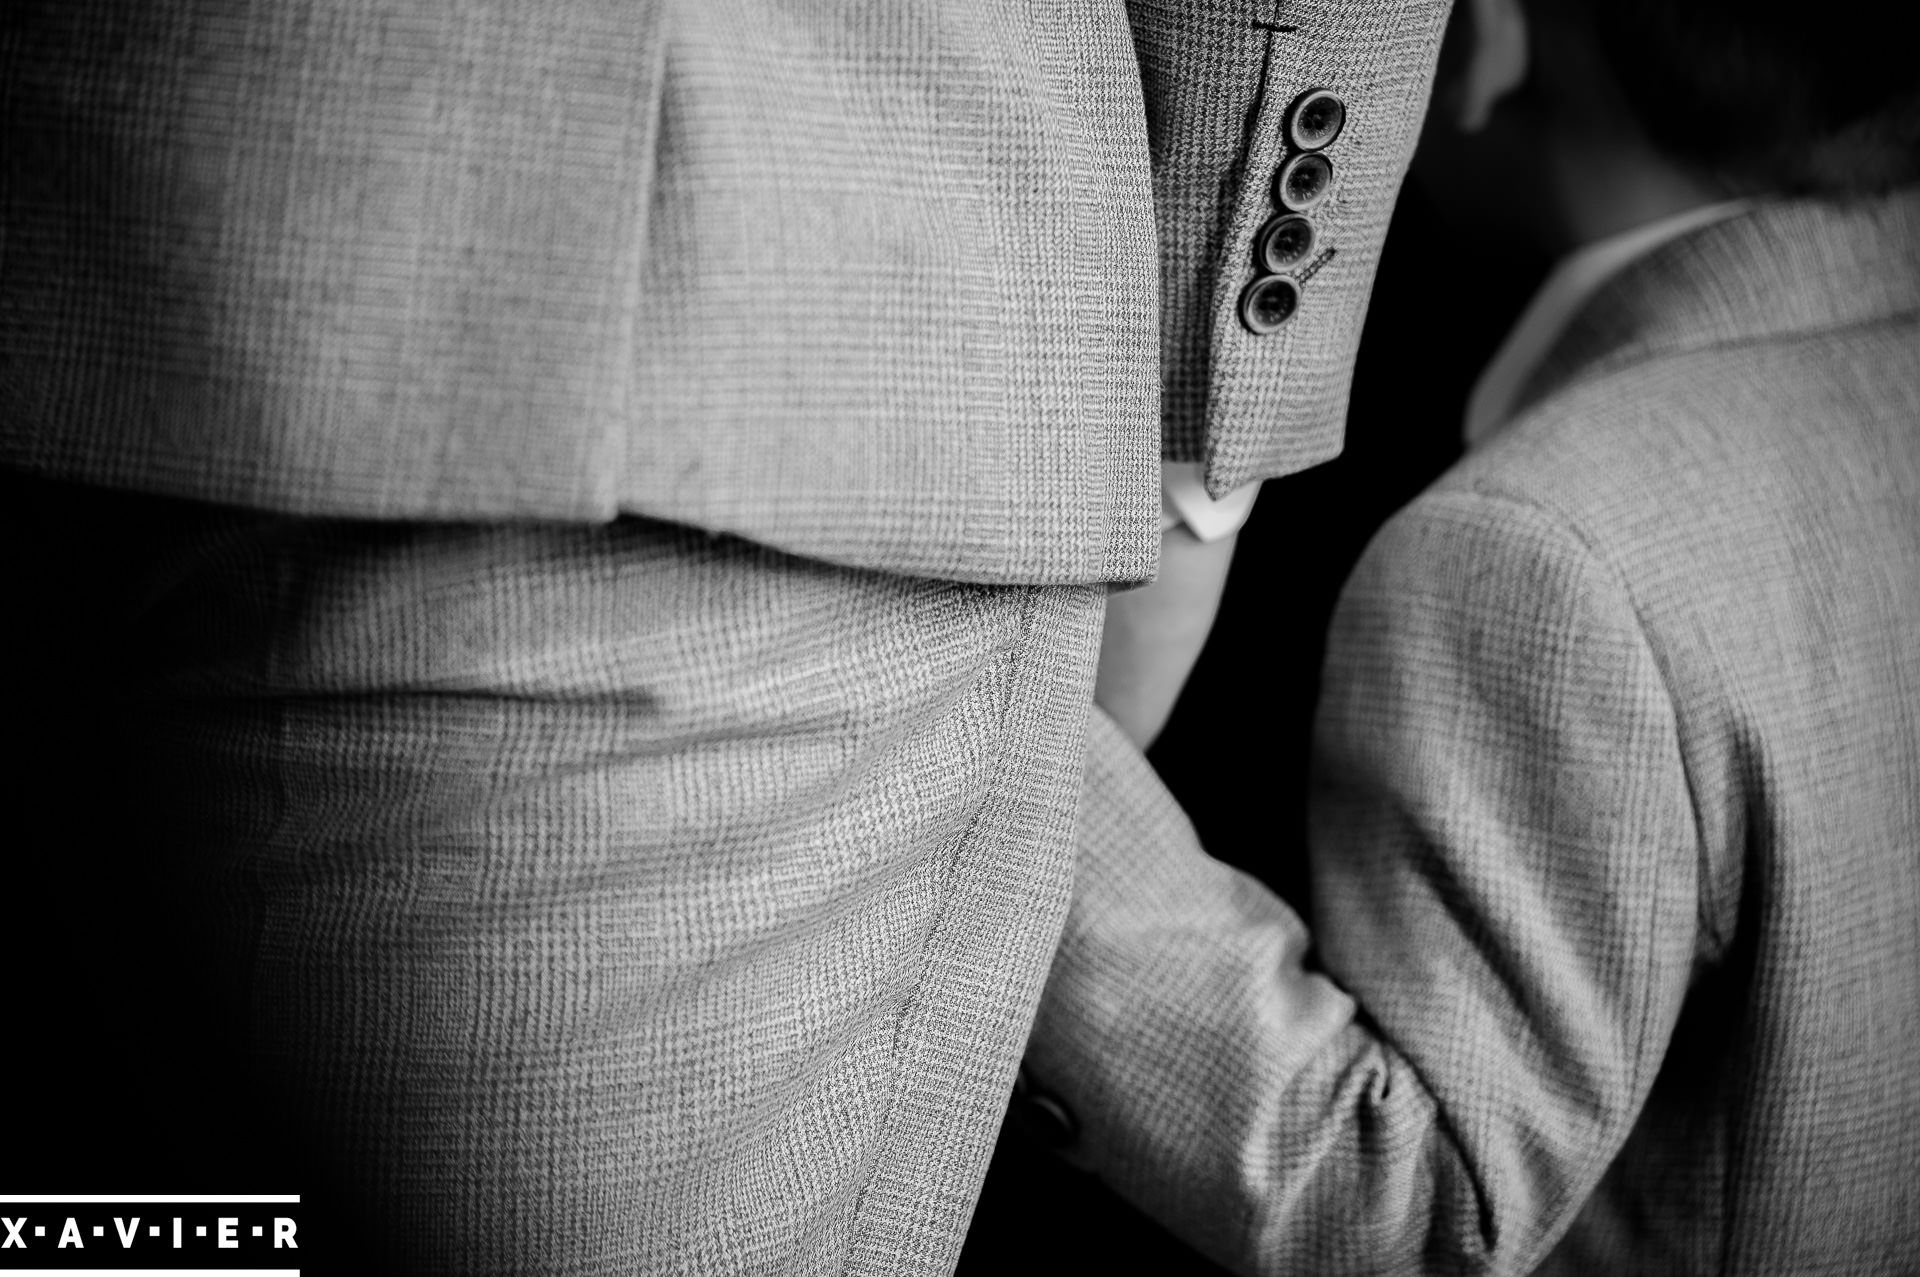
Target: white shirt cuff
(1184, 500)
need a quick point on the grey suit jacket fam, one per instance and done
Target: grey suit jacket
(1616, 830)
(881, 284)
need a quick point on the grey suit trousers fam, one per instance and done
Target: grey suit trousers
(623, 898)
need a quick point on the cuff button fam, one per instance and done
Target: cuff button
(1049, 1122)
(1283, 243)
(1315, 120)
(1039, 1115)
(1302, 181)
(1267, 303)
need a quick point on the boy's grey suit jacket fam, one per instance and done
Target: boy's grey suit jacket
(881, 284)
(1616, 829)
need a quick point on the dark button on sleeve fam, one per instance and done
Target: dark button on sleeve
(1283, 243)
(1268, 302)
(1315, 120)
(1302, 181)
(1040, 1116)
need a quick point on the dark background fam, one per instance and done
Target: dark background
(1235, 751)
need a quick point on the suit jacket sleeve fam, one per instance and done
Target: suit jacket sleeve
(1218, 81)
(1504, 857)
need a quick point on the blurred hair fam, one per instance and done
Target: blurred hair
(1784, 95)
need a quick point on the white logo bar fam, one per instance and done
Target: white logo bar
(142, 1199)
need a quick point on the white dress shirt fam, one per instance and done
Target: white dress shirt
(1184, 500)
